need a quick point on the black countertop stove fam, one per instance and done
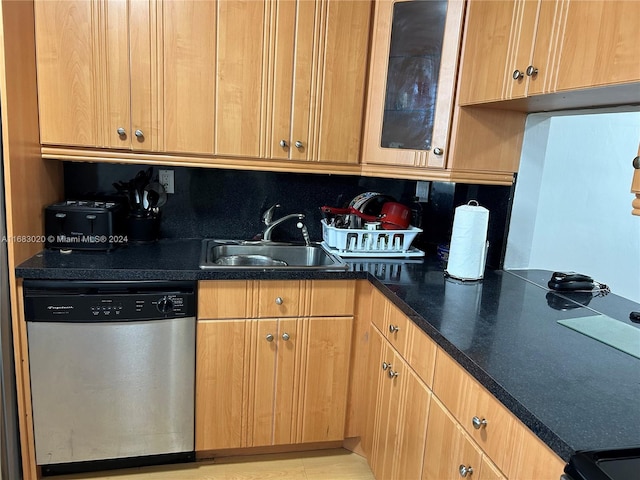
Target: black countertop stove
(573, 392)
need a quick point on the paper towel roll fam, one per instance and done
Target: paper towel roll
(468, 247)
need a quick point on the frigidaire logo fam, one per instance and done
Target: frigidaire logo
(60, 307)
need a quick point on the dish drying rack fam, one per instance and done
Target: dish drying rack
(351, 242)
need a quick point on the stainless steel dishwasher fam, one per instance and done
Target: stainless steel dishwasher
(112, 368)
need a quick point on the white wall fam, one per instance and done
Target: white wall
(572, 204)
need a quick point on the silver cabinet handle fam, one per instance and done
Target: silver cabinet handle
(477, 423)
(464, 471)
(438, 151)
(279, 301)
(517, 74)
(531, 71)
(269, 337)
(283, 143)
(139, 133)
(393, 328)
(121, 131)
(385, 365)
(298, 144)
(392, 374)
(285, 336)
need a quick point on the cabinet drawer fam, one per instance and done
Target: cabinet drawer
(279, 298)
(330, 298)
(223, 299)
(482, 416)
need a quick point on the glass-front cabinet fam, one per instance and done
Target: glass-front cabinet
(414, 61)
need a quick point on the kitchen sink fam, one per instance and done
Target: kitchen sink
(232, 254)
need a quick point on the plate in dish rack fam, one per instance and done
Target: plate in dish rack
(412, 252)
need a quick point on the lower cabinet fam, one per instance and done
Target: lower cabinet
(270, 381)
(450, 453)
(401, 409)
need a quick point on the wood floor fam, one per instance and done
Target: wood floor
(337, 464)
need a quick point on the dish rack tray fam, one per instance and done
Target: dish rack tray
(347, 242)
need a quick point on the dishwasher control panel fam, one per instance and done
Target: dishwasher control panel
(101, 304)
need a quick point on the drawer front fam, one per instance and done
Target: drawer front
(396, 329)
(483, 417)
(279, 298)
(223, 299)
(421, 353)
(331, 298)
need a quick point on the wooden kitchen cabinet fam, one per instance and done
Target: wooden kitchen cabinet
(410, 342)
(450, 453)
(220, 385)
(126, 74)
(402, 403)
(411, 83)
(291, 79)
(521, 48)
(90, 90)
(508, 443)
(284, 378)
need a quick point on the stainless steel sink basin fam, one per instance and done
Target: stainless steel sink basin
(231, 254)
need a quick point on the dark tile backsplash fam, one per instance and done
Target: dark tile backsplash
(216, 203)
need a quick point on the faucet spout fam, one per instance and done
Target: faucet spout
(271, 224)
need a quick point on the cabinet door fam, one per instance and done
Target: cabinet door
(325, 378)
(482, 416)
(386, 413)
(340, 83)
(317, 80)
(262, 379)
(96, 65)
(188, 73)
(448, 449)
(239, 84)
(411, 82)
(582, 44)
(68, 68)
(499, 38)
(287, 380)
(220, 388)
(415, 404)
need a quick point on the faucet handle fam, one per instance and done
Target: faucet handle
(268, 215)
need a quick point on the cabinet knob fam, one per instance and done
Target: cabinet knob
(636, 163)
(285, 336)
(139, 133)
(385, 365)
(392, 374)
(393, 328)
(464, 470)
(269, 337)
(298, 144)
(517, 74)
(121, 132)
(477, 423)
(438, 151)
(531, 71)
(283, 143)
(279, 301)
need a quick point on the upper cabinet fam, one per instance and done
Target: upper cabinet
(233, 79)
(414, 58)
(521, 48)
(130, 75)
(90, 93)
(291, 79)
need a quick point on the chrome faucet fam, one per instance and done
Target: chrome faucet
(267, 218)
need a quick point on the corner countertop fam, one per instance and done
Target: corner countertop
(574, 392)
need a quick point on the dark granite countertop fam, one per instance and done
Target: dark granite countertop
(574, 392)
